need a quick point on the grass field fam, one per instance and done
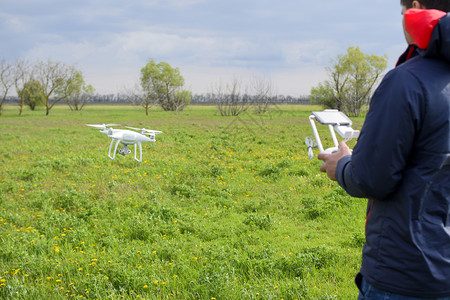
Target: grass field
(219, 208)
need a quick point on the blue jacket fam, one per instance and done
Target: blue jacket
(401, 162)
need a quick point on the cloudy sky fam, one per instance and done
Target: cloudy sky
(287, 42)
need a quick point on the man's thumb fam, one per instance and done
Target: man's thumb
(343, 146)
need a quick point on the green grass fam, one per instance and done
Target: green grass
(220, 208)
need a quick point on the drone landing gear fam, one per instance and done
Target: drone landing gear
(124, 150)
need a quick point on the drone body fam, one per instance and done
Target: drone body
(126, 137)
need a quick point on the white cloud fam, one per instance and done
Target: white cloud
(314, 52)
(184, 3)
(14, 24)
(289, 41)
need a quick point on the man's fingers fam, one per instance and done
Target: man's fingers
(344, 149)
(343, 146)
(322, 156)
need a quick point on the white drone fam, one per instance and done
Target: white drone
(336, 121)
(127, 137)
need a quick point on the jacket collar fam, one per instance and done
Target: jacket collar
(420, 23)
(430, 30)
(410, 52)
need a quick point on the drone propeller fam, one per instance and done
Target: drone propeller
(146, 131)
(310, 143)
(102, 126)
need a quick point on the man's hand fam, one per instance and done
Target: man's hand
(331, 160)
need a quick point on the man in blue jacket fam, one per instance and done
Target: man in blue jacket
(401, 163)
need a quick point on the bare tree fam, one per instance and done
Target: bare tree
(78, 100)
(217, 95)
(181, 99)
(6, 81)
(263, 95)
(57, 80)
(141, 97)
(80, 93)
(22, 74)
(231, 100)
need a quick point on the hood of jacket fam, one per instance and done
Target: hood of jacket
(430, 30)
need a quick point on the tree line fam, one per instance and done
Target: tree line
(49, 83)
(42, 83)
(352, 78)
(196, 99)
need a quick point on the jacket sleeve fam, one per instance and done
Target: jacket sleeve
(376, 167)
